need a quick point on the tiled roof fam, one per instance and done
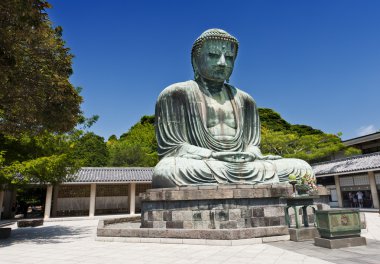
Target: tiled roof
(348, 165)
(112, 174)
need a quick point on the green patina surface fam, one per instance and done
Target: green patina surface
(338, 223)
(297, 203)
(208, 131)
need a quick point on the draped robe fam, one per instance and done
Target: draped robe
(185, 144)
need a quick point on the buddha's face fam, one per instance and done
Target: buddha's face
(216, 60)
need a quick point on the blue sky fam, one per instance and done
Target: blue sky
(315, 62)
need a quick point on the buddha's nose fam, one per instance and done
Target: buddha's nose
(222, 61)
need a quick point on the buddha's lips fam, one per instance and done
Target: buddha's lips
(220, 70)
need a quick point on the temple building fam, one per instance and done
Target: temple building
(354, 181)
(91, 191)
(95, 191)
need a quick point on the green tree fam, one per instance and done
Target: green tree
(310, 147)
(137, 147)
(35, 65)
(305, 130)
(91, 150)
(272, 120)
(39, 107)
(49, 157)
(112, 138)
(298, 141)
(45, 158)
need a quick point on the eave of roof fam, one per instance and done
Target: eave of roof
(362, 139)
(356, 164)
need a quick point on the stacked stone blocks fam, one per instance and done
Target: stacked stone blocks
(220, 212)
(215, 207)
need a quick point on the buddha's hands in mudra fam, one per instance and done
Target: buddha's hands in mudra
(236, 157)
(240, 157)
(270, 157)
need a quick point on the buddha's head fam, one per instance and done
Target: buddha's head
(213, 55)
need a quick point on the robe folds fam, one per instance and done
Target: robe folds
(185, 143)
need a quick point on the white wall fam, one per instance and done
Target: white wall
(73, 203)
(111, 202)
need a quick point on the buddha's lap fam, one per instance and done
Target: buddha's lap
(283, 167)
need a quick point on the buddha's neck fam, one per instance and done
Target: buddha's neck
(211, 86)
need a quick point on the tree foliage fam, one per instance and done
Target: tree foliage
(91, 150)
(312, 147)
(272, 120)
(46, 158)
(49, 157)
(279, 137)
(112, 138)
(39, 107)
(137, 147)
(35, 65)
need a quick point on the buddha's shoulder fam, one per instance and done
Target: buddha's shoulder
(177, 89)
(242, 94)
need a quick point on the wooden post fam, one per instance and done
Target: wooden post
(92, 200)
(132, 198)
(1, 202)
(49, 194)
(338, 191)
(374, 193)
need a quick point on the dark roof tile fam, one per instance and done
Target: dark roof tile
(112, 174)
(347, 165)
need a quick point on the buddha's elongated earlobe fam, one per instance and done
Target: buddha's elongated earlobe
(195, 69)
(196, 76)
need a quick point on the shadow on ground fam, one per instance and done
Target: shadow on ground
(46, 235)
(369, 254)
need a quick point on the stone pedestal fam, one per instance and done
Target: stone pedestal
(5, 232)
(216, 207)
(303, 234)
(220, 212)
(340, 242)
(30, 223)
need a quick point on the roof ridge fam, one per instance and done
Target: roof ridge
(364, 136)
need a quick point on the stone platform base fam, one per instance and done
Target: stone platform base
(213, 234)
(30, 223)
(5, 232)
(210, 242)
(212, 212)
(218, 206)
(303, 234)
(340, 242)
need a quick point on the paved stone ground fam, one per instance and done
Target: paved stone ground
(369, 254)
(74, 242)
